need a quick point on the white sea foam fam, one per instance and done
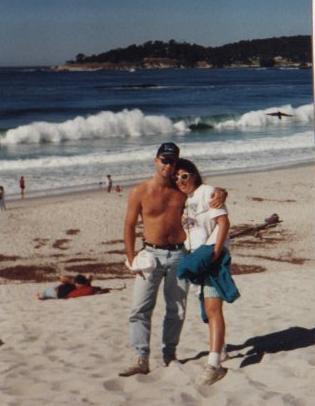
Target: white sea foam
(77, 160)
(210, 150)
(253, 145)
(261, 118)
(56, 174)
(106, 124)
(133, 123)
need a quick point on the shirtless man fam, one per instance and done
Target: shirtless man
(161, 206)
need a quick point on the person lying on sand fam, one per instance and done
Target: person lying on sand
(72, 287)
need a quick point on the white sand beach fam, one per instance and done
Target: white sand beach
(69, 352)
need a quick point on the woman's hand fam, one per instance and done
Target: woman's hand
(215, 255)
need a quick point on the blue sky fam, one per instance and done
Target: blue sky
(47, 32)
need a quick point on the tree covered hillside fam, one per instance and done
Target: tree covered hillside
(259, 52)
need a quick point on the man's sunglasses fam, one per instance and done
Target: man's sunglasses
(167, 161)
(183, 176)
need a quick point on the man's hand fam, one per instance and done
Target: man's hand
(140, 273)
(218, 198)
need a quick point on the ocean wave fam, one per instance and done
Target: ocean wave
(268, 117)
(134, 123)
(106, 124)
(253, 119)
(136, 86)
(222, 150)
(154, 86)
(210, 151)
(123, 157)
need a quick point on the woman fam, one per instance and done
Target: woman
(204, 225)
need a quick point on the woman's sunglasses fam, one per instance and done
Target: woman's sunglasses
(183, 176)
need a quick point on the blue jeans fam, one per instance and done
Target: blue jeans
(144, 300)
(49, 293)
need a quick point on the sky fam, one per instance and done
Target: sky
(50, 32)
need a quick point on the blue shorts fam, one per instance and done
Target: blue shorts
(210, 291)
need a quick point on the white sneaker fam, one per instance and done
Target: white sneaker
(211, 374)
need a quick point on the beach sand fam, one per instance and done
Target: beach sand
(69, 352)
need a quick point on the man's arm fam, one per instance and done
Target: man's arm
(218, 198)
(133, 211)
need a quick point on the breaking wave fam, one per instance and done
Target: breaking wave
(273, 116)
(106, 124)
(134, 123)
(270, 117)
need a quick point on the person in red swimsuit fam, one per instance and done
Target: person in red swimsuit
(82, 287)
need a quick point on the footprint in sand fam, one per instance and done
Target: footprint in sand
(40, 242)
(113, 385)
(73, 231)
(60, 244)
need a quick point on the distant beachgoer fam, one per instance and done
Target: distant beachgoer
(82, 287)
(58, 292)
(279, 114)
(2, 201)
(118, 188)
(71, 287)
(109, 183)
(22, 186)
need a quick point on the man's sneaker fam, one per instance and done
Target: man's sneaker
(211, 374)
(168, 358)
(141, 367)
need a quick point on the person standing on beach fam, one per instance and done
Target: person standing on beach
(206, 226)
(109, 183)
(2, 201)
(160, 204)
(22, 186)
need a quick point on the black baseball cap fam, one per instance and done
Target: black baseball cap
(168, 149)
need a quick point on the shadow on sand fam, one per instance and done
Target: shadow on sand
(290, 339)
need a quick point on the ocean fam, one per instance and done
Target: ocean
(65, 131)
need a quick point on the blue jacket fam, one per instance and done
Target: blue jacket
(200, 269)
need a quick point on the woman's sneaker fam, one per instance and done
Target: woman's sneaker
(210, 375)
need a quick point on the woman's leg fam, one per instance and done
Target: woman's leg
(216, 324)
(213, 308)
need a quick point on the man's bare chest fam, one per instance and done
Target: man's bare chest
(156, 204)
